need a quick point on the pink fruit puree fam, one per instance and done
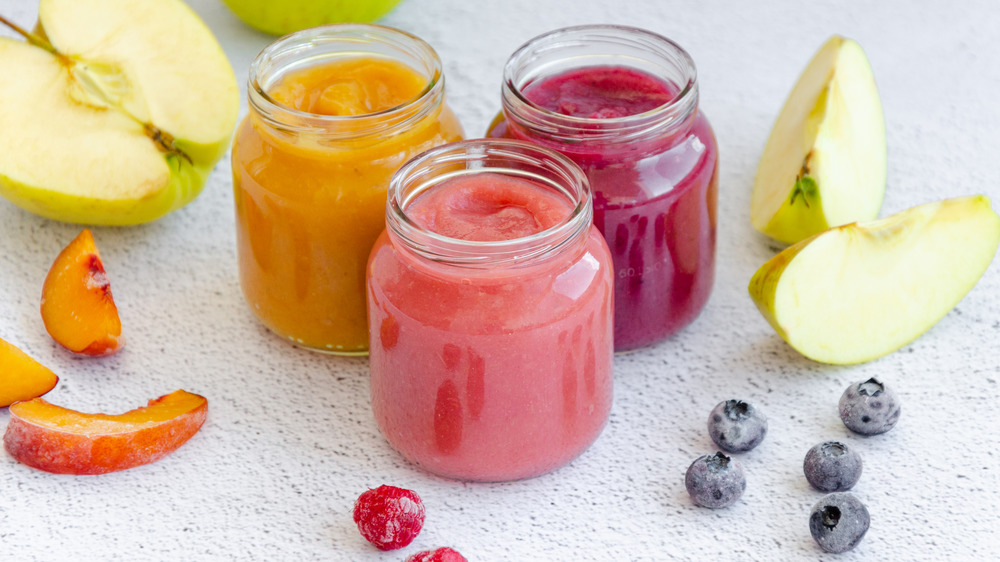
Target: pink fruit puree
(654, 197)
(498, 372)
(489, 208)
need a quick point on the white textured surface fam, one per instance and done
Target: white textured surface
(290, 440)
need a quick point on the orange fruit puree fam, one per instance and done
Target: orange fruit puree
(310, 200)
(349, 87)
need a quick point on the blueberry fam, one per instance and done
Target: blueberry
(715, 481)
(838, 522)
(832, 467)
(737, 426)
(869, 407)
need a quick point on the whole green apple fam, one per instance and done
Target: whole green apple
(285, 16)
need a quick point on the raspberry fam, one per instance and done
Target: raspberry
(389, 517)
(443, 554)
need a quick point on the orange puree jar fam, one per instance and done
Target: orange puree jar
(333, 112)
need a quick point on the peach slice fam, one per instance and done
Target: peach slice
(21, 377)
(77, 307)
(63, 441)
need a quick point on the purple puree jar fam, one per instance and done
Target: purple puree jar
(623, 104)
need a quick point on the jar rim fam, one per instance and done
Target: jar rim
(297, 45)
(423, 172)
(644, 45)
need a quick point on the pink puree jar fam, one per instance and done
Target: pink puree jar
(490, 308)
(623, 104)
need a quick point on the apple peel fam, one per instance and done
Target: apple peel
(281, 18)
(63, 441)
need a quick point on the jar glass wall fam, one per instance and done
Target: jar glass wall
(490, 304)
(311, 164)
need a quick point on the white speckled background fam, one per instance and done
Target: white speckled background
(290, 440)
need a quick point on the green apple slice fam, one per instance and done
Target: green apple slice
(860, 291)
(825, 162)
(120, 110)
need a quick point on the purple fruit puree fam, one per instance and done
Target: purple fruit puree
(654, 198)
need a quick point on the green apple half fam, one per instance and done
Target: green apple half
(825, 162)
(113, 111)
(860, 291)
(279, 18)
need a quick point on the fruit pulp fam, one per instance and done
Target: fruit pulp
(308, 208)
(654, 198)
(600, 92)
(499, 372)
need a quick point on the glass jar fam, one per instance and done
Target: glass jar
(310, 187)
(623, 104)
(490, 301)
